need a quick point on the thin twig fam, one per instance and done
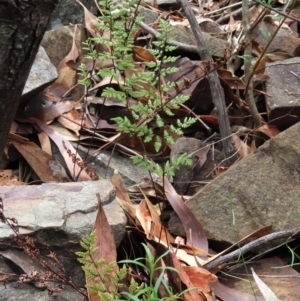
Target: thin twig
(247, 66)
(233, 14)
(251, 245)
(217, 92)
(223, 8)
(277, 11)
(181, 46)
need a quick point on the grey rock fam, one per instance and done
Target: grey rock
(67, 207)
(205, 159)
(175, 226)
(185, 175)
(58, 43)
(262, 189)
(69, 11)
(42, 74)
(26, 292)
(284, 40)
(280, 103)
(57, 216)
(185, 35)
(106, 163)
(150, 16)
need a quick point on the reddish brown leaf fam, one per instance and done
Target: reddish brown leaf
(193, 228)
(44, 165)
(201, 279)
(213, 120)
(269, 130)
(106, 248)
(141, 54)
(192, 294)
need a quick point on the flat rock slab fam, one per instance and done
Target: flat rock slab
(262, 189)
(283, 89)
(67, 207)
(57, 216)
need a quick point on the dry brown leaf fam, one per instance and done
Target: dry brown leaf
(219, 170)
(14, 127)
(150, 222)
(107, 81)
(240, 146)
(144, 217)
(233, 81)
(122, 196)
(45, 143)
(193, 228)
(72, 120)
(44, 109)
(66, 74)
(269, 130)
(192, 294)
(254, 12)
(90, 20)
(191, 260)
(106, 249)
(148, 188)
(7, 178)
(192, 250)
(201, 279)
(64, 146)
(159, 230)
(141, 54)
(44, 165)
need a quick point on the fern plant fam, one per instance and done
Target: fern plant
(111, 290)
(141, 81)
(106, 282)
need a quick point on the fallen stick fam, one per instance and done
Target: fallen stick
(252, 245)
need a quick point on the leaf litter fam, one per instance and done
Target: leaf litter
(52, 116)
